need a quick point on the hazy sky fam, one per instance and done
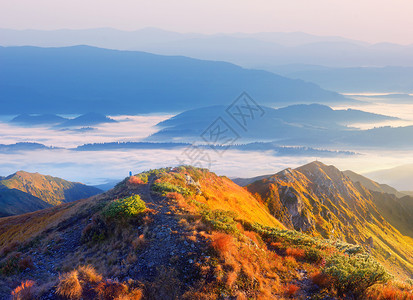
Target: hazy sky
(368, 20)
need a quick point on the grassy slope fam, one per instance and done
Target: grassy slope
(23, 228)
(223, 194)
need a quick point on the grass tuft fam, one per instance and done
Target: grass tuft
(25, 291)
(69, 285)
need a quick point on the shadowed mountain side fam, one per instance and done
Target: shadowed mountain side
(397, 211)
(82, 79)
(15, 202)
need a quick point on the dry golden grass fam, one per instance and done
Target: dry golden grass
(291, 290)
(22, 228)
(69, 285)
(222, 242)
(391, 291)
(248, 268)
(295, 252)
(322, 280)
(85, 282)
(25, 291)
(231, 278)
(110, 289)
(89, 274)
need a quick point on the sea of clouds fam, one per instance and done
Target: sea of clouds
(97, 167)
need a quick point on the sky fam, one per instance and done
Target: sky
(367, 20)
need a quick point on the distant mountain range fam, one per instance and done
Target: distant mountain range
(257, 50)
(47, 119)
(82, 79)
(255, 146)
(277, 149)
(24, 147)
(387, 79)
(399, 177)
(24, 192)
(314, 125)
(88, 119)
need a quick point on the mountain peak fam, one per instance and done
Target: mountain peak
(317, 167)
(314, 164)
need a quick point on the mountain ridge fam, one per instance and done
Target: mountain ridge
(277, 48)
(313, 125)
(134, 77)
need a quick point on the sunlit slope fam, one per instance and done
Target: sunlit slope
(322, 201)
(220, 193)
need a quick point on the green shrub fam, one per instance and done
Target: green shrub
(313, 255)
(349, 267)
(124, 208)
(166, 187)
(287, 237)
(355, 273)
(221, 220)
